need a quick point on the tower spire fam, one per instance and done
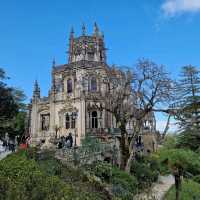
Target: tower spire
(36, 86)
(72, 32)
(54, 63)
(96, 29)
(36, 91)
(83, 29)
(71, 43)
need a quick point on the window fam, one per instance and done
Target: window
(94, 119)
(101, 56)
(67, 121)
(45, 122)
(90, 56)
(72, 123)
(69, 86)
(93, 84)
(58, 85)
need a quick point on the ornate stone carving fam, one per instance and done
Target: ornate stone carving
(43, 108)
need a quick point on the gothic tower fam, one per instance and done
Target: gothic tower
(87, 47)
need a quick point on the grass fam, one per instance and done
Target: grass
(190, 191)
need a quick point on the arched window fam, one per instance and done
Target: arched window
(69, 86)
(94, 119)
(67, 121)
(93, 84)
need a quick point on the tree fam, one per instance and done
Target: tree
(12, 108)
(189, 138)
(170, 141)
(132, 95)
(188, 108)
(188, 95)
(8, 106)
(180, 162)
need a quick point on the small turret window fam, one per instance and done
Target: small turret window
(94, 119)
(67, 121)
(93, 84)
(72, 122)
(69, 86)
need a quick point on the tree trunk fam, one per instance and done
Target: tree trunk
(177, 184)
(124, 148)
(129, 161)
(124, 154)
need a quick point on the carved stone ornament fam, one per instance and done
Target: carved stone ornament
(68, 101)
(43, 108)
(68, 107)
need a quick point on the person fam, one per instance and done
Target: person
(61, 142)
(2, 147)
(69, 140)
(12, 145)
(6, 143)
(60, 145)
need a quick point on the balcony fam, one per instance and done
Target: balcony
(115, 132)
(97, 131)
(106, 131)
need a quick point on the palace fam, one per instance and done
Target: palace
(67, 109)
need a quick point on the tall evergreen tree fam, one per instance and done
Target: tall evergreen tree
(188, 104)
(188, 93)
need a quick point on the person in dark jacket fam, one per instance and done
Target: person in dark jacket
(12, 145)
(61, 142)
(69, 140)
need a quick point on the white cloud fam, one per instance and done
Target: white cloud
(173, 7)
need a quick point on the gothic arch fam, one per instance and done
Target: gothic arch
(62, 115)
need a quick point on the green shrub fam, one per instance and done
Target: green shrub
(146, 170)
(196, 178)
(103, 170)
(85, 184)
(22, 179)
(170, 141)
(50, 166)
(122, 193)
(122, 184)
(144, 174)
(124, 179)
(31, 153)
(187, 160)
(91, 143)
(190, 191)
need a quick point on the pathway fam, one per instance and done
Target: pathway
(158, 190)
(4, 154)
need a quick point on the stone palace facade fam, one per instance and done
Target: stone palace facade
(67, 109)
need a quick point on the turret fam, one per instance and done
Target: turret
(71, 42)
(83, 30)
(36, 91)
(96, 29)
(87, 47)
(54, 63)
(53, 85)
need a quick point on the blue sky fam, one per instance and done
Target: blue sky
(32, 33)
